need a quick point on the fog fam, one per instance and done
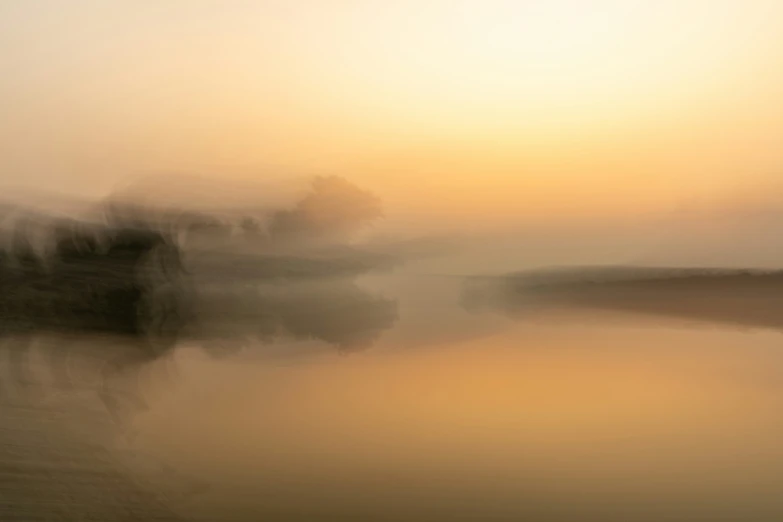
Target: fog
(209, 358)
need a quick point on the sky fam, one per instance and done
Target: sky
(455, 112)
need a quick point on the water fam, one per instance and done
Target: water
(452, 415)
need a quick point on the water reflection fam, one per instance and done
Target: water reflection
(547, 421)
(542, 422)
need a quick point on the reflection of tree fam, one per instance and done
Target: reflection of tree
(338, 312)
(335, 311)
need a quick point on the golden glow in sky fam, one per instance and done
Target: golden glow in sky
(509, 109)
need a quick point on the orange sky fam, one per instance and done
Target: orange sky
(480, 110)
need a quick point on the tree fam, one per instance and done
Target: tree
(334, 210)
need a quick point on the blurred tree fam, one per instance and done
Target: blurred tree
(333, 211)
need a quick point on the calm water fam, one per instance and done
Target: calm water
(461, 416)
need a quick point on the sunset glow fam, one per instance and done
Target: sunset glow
(620, 105)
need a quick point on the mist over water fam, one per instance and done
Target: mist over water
(556, 418)
(296, 366)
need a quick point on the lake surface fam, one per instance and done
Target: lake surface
(452, 415)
